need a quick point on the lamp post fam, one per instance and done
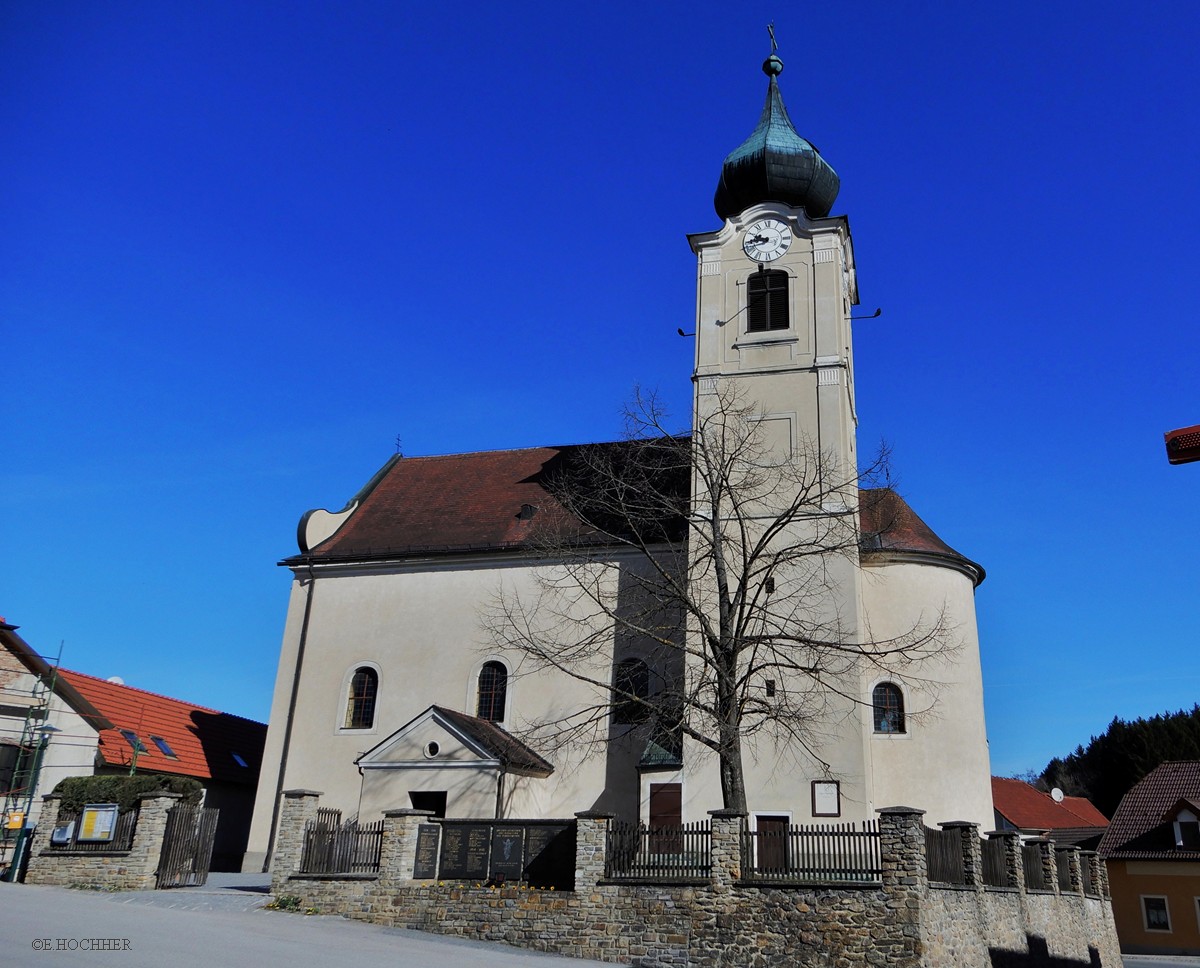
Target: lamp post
(45, 731)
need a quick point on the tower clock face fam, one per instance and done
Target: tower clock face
(767, 240)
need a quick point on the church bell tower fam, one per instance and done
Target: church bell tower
(774, 290)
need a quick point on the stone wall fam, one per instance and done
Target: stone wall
(974, 926)
(121, 870)
(901, 921)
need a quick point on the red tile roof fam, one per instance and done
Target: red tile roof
(203, 740)
(890, 525)
(457, 502)
(1140, 828)
(473, 502)
(1028, 808)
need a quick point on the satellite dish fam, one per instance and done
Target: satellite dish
(115, 680)
(1056, 795)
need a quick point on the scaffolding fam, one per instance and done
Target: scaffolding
(26, 758)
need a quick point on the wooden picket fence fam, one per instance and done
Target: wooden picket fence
(187, 846)
(944, 856)
(806, 853)
(331, 847)
(638, 852)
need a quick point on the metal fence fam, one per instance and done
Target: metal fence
(944, 855)
(837, 853)
(638, 852)
(66, 834)
(995, 867)
(1035, 874)
(333, 848)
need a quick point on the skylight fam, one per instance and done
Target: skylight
(163, 747)
(132, 739)
(237, 758)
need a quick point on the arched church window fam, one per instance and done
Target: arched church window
(493, 689)
(767, 301)
(630, 678)
(887, 703)
(360, 703)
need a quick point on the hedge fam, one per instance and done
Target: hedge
(124, 790)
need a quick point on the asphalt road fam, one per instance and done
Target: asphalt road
(48, 927)
(221, 926)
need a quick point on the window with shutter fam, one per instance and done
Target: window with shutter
(767, 301)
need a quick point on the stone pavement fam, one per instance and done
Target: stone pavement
(219, 926)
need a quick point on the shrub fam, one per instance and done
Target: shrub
(124, 790)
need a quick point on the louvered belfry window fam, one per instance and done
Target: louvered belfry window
(493, 687)
(767, 301)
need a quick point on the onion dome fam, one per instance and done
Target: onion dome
(775, 164)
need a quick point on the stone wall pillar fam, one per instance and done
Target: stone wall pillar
(298, 808)
(972, 852)
(591, 844)
(1014, 860)
(726, 847)
(1102, 877)
(906, 882)
(47, 821)
(902, 848)
(1049, 867)
(142, 862)
(1073, 865)
(398, 853)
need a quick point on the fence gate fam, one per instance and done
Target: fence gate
(187, 846)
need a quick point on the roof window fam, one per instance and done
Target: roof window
(237, 758)
(163, 747)
(132, 739)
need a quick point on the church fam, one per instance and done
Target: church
(659, 627)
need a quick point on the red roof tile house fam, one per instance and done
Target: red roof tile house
(1067, 820)
(149, 733)
(48, 731)
(1152, 848)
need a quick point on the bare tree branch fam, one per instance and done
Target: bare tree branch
(720, 563)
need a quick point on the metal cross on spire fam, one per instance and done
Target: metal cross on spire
(771, 31)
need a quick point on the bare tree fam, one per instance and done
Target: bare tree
(720, 562)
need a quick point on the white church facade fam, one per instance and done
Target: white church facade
(395, 689)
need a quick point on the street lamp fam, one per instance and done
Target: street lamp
(45, 732)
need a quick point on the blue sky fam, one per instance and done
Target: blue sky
(247, 245)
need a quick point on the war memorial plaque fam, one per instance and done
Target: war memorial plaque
(550, 855)
(507, 846)
(425, 866)
(465, 851)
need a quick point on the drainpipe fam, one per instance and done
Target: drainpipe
(500, 793)
(291, 715)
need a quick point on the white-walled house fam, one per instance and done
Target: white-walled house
(38, 708)
(392, 692)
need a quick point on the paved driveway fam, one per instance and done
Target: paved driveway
(48, 927)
